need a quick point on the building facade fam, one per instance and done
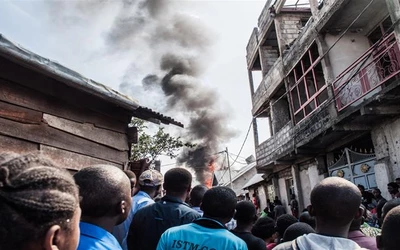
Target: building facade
(330, 90)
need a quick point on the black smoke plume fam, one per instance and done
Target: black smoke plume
(174, 47)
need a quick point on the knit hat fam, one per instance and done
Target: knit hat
(150, 178)
(297, 229)
(283, 222)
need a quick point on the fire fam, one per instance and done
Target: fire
(209, 173)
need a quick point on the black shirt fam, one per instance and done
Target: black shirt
(252, 242)
(150, 222)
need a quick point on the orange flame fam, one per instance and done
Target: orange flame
(209, 173)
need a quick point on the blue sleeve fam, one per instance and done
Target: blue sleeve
(161, 243)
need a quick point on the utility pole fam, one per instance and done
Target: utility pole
(229, 168)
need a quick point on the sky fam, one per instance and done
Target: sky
(77, 41)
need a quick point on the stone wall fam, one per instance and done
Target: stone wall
(275, 146)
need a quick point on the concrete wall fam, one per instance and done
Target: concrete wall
(238, 183)
(309, 178)
(386, 140)
(348, 49)
(288, 27)
(283, 195)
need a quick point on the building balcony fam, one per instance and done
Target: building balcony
(276, 148)
(268, 87)
(252, 49)
(376, 69)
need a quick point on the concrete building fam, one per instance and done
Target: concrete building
(330, 90)
(51, 110)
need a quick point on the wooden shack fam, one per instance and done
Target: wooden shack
(48, 108)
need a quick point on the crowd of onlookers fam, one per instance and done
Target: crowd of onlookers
(42, 206)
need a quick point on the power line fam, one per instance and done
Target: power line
(241, 148)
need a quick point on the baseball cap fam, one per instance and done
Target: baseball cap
(150, 178)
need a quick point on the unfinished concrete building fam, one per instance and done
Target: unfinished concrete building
(330, 90)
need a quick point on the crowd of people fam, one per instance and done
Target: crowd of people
(102, 207)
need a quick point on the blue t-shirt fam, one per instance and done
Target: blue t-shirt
(140, 200)
(96, 238)
(195, 237)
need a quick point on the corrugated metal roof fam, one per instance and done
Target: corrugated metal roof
(254, 180)
(20, 55)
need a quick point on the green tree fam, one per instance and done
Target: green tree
(152, 146)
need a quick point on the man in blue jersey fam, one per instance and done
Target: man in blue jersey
(149, 187)
(208, 232)
(106, 202)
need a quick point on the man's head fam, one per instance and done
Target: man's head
(307, 218)
(197, 194)
(245, 213)
(335, 202)
(295, 230)
(105, 192)
(398, 181)
(393, 188)
(389, 205)
(219, 203)
(132, 178)
(150, 182)
(177, 182)
(356, 223)
(389, 238)
(39, 204)
(361, 188)
(283, 222)
(376, 192)
(264, 228)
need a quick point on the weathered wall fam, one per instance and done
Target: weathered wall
(347, 50)
(239, 182)
(278, 144)
(280, 115)
(309, 177)
(283, 194)
(288, 27)
(386, 140)
(71, 135)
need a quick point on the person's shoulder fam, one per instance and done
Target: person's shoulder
(285, 246)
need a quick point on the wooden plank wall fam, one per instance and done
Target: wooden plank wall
(72, 136)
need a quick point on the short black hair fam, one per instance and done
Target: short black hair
(389, 238)
(130, 174)
(377, 190)
(197, 194)
(35, 194)
(177, 180)
(335, 201)
(397, 179)
(101, 187)
(389, 205)
(219, 202)
(361, 187)
(264, 228)
(297, 229)
(307, 218)
(393, 185)
(283, 222)
(245, 212)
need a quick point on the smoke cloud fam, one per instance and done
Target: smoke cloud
(170, 52)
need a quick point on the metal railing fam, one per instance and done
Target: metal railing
(379, 65)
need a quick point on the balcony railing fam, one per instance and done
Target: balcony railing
(379, 65)
(276, 146)
(251, 48)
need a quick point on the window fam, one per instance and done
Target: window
(307, 85)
